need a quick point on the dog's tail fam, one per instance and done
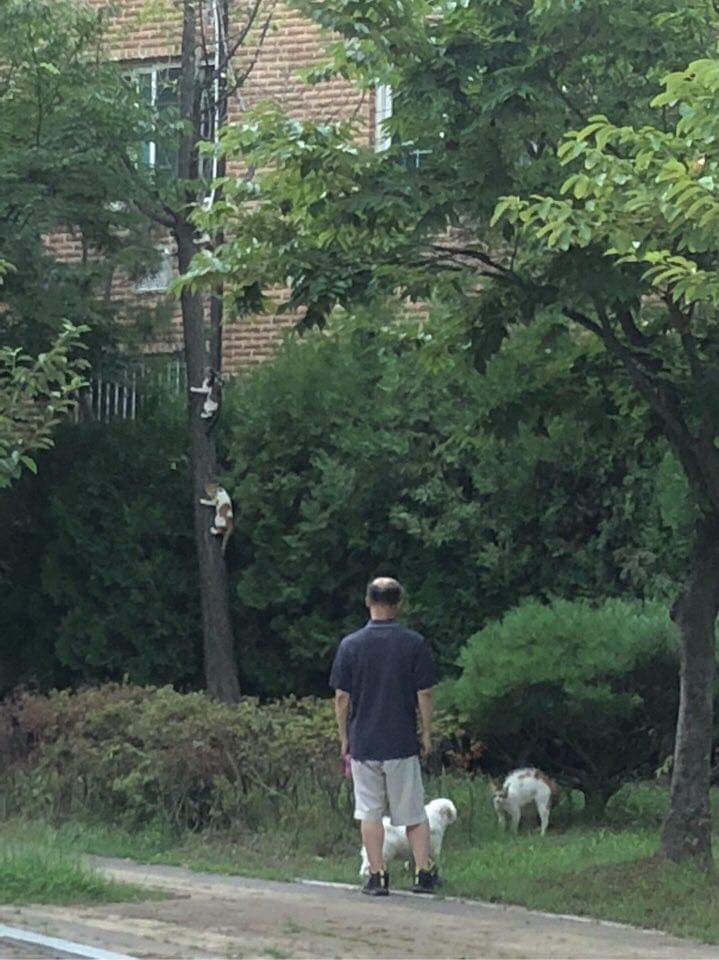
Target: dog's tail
(554, 789)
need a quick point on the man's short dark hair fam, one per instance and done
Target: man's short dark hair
(384, 592)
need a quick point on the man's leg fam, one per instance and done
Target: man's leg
(370, 806)
(406, 802)
(373, 839)
(418, 836)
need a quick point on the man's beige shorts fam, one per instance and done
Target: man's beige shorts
(389, 787)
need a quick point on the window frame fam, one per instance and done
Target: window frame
(151, 68)
(383, 103)
(159, 280)
(383, 110)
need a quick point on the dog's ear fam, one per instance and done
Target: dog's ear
(448, 812)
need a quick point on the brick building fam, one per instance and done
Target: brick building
(145, 38)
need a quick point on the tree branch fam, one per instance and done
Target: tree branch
(234, 45)
(681, 323)
(654, 393)
(473, 254)
(702, 471)
(242, 77)
(152, 208)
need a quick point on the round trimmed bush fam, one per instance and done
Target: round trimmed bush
(587, 693)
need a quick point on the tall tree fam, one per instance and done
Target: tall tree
(220, 43)
(648, 200)
(483, 95)
(74, 131)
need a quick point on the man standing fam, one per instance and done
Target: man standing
(381, 675)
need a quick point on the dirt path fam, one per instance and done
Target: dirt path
(215, 916)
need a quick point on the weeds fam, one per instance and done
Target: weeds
(37, 866)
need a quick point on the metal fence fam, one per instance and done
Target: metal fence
(122, 393)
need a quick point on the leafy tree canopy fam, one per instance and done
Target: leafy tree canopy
(69, 128)
(482, 95)
(648, 200)
(34, 395)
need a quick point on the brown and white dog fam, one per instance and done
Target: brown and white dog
(440, 813)
(521, 789)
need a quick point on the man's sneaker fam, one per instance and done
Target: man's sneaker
(425, 881)
(377, 885)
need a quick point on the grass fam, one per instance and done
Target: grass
(607, 871)
(37, 866)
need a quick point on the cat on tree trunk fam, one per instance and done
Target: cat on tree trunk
(222, 524)
(211, 390)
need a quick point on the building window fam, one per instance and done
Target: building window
(382, 113)
(158, 87)
(159, 280)
(410, 155)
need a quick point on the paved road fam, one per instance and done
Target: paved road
(16, 950)
(12, 950)
(213, 916)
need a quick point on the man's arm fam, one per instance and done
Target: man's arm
(342, 709)
(424, 699)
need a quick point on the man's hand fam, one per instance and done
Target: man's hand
(424, 699)
(342, 708)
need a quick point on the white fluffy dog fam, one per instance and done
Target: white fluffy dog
(440, 813)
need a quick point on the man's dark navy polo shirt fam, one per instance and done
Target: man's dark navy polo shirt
(382, 666)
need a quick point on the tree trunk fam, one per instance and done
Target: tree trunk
(218, 642)
(216, 316)
(686, 833)
(596, 798)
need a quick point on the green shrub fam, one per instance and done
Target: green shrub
(589, 694)
(101, 580)
(136, 754)
(362, 450)
(639, 804)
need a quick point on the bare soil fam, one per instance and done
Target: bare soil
(214, 916)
